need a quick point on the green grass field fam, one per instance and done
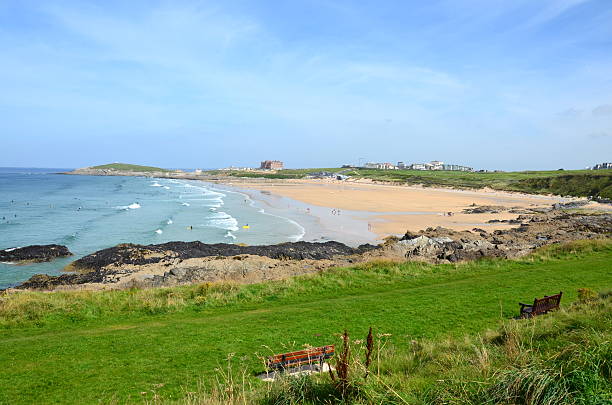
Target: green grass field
(85, 347)
(578, 183)
(130, 167)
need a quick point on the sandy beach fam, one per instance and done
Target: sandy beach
(380, 210)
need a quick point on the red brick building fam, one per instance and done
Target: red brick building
(271, 165)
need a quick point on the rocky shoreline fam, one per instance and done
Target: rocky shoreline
(179, 262)
(176, 263)
(34, 254)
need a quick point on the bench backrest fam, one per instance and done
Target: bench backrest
(542, 305)
(307, 356)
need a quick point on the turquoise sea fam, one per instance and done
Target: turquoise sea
(89, 213)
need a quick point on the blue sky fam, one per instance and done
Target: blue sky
(496, 84)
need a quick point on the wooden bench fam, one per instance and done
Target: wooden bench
(540, 306)
(294, 359)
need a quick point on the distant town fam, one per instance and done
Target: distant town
(274, 165)
(433, 165)
(268, 165)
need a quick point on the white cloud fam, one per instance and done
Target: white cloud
(604, 110)
(600, 134)
(552, 10)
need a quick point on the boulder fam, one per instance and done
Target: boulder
(34, 253)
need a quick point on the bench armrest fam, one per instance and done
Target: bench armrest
(525, 305)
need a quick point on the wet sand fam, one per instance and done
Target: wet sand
(375, 211)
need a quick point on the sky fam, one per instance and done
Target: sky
(493, 84)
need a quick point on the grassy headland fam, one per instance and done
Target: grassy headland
(577, 183)
(129, 168)
(83, 347)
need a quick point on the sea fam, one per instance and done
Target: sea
(89, 213)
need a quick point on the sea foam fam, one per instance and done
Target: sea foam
(133, 206)
(224, 221)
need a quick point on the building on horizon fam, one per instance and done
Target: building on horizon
(382, 166)
(439, 165)
(458, 168)
(237, 169)
(602, 166)
(436, 165)
(271, 165)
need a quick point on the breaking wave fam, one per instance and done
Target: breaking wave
(133, 206)
(223, 220)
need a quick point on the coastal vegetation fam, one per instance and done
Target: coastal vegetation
(432, 324)
(577, 183)
(129, 168)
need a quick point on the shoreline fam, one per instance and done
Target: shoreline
(370, 218)
(381, 210)
(317, 225)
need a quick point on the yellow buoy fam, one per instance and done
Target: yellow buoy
(245, 227)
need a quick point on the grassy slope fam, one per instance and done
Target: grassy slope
(562, 182)
(129, 167)
(563, 358)
(91, 346)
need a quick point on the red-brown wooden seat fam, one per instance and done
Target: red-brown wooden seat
(540, 306)
(300, 357)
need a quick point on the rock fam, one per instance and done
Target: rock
(543, 229)
(445, 249)
(483, 209)
(569, 205)
(34, 253)
(46, 282)
(126, 254)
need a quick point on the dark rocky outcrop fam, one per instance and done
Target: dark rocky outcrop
(34, 253)
(108, 266)
(46, 282)
(140, 255)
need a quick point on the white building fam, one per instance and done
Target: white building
(602, 166)
(382, 166)
(438, 165)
